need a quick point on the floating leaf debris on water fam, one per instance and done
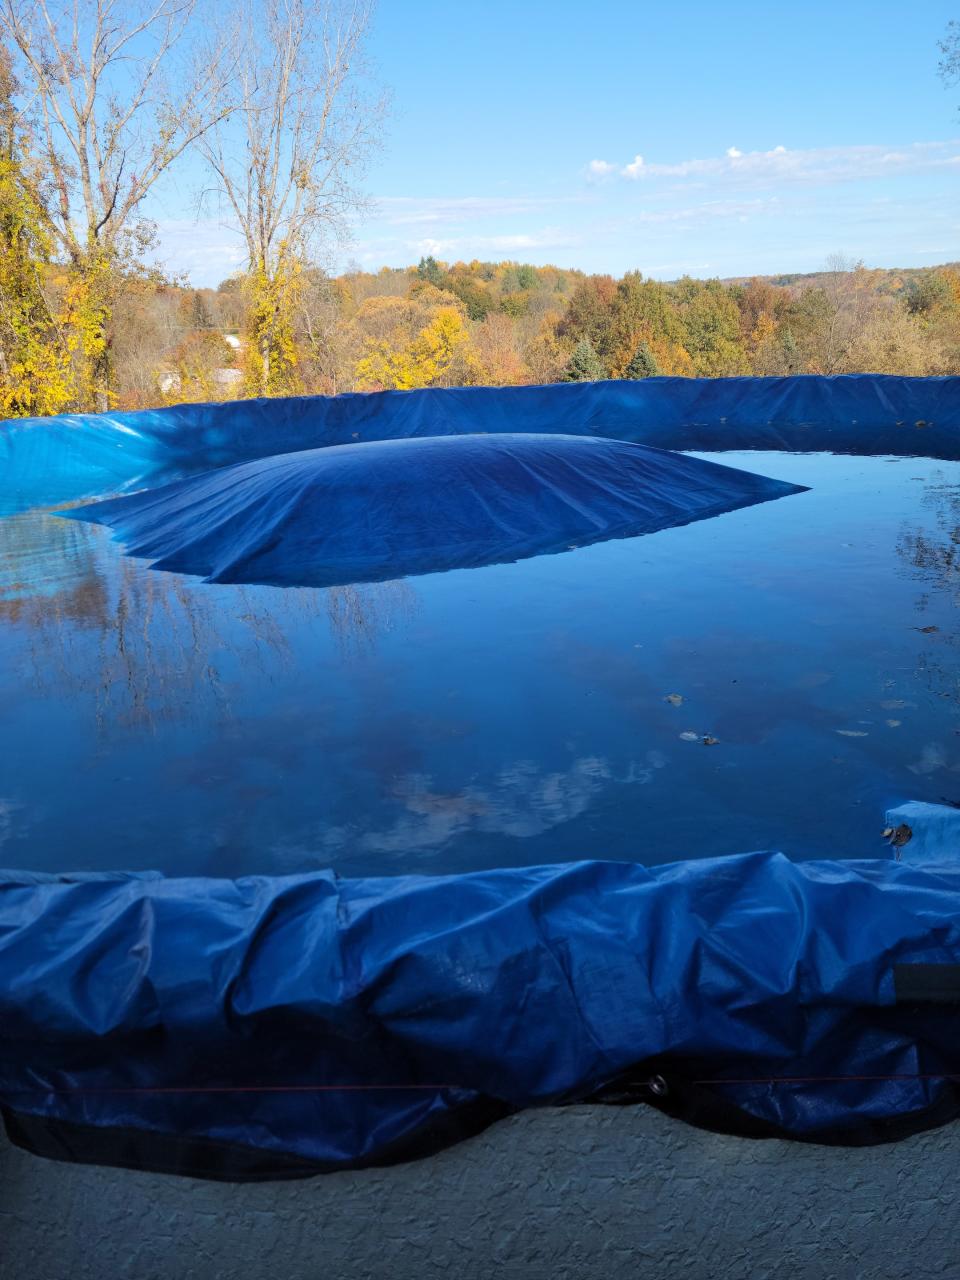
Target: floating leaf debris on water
(675, 699)
(898, 836)
(709, 741)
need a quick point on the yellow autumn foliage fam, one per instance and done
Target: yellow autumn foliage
(271, 354)
(85, 315)
(440, 354)
(35, 367)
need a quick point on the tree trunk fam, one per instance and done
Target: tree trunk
(101, 365)
(265, 364)
(101, 382)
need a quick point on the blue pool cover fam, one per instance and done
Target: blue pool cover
(278, 1026)
(384, 509)
(281, 1026)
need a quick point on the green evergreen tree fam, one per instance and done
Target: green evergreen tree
(526, 276)
(790, 352)
(429, 269)
(584, 364)
(199, 315)
(643, 364)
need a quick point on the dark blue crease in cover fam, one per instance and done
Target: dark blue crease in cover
(386, 509)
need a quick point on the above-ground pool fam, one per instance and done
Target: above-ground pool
(313, 877)
(558, 708)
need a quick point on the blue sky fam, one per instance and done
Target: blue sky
(770, 136)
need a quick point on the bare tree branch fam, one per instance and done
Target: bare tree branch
(285, 164)
(950, 49)
(119, 99)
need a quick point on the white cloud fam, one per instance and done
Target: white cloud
(403, 211)
(597, 170)
(473, 246)
(742, 210)
(806, 165)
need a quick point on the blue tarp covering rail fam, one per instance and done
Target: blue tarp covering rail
(284, 1026)
(52, 460)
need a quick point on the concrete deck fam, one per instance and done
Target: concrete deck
(579, 1194)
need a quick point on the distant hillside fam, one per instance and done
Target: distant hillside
(896, 276)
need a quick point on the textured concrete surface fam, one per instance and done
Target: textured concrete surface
(580, 1194)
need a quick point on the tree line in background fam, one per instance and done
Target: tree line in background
(101, 99)
(507, 323)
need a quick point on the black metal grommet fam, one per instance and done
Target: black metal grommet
(658, 1086)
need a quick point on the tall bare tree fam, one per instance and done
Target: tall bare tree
(119, 89)
(286, 166)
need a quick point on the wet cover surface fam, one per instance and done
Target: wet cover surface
(383, 510)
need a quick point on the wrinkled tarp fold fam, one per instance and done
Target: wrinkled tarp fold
(319, 1023)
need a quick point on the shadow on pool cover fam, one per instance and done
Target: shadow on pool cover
(389, 509)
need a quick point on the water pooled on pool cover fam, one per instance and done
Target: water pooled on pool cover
(770, 678)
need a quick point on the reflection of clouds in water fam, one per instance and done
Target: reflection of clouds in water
(7, 809)
(522, 801)
(644, 773)
(932, 758)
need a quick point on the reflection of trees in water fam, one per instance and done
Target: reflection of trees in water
(148, 646)
(45, 559)
(932, 557)
(359, 615)
(934, 554)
